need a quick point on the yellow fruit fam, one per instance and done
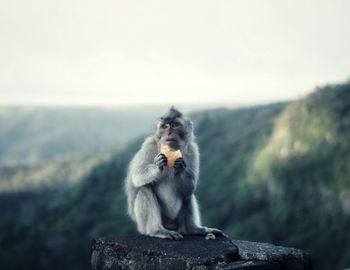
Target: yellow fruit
(171, 155)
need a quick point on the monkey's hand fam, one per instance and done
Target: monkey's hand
(160, 160)
(179, 166)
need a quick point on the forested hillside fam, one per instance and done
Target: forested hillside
(33, 135)
(278, 173)
(284, 180)
(58, 173)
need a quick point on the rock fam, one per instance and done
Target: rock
(290, 258)
(196, 253)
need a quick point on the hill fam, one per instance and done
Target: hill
(61, 172)
(35, 135)
(277, 173)
(287, 182)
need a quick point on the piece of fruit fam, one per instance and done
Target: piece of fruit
(171, 155)
(210, 236)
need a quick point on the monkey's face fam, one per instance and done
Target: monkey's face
(173, 132)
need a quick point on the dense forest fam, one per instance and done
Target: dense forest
(277, 173)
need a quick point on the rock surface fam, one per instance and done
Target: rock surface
(196, 253)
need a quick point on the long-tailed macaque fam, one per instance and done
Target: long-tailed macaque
(161, 199)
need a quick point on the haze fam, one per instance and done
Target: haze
(156, 52)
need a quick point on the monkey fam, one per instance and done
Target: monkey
(161, 199)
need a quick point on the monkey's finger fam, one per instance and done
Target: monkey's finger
(176, 236)
(180, 160)
(160, 155)
(179, 168)
(179, 238)
(161, 164)
(164, 158)
(180, 165)
(161, 158)
(218, 232)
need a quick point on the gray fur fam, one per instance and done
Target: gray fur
(159, 201)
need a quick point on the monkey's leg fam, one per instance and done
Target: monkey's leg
(148, 217)
(191, 219)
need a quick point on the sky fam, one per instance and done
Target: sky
(81, 52)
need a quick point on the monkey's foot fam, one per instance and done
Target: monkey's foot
(205, 230)
(167, 234)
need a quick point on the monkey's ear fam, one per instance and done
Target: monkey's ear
(190, 124)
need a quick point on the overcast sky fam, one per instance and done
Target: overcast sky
(155, 52)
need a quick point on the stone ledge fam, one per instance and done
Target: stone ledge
(143, 252)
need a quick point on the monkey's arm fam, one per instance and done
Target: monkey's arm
(145, 175)
(187, 179)
(186, 182)
(145, 167)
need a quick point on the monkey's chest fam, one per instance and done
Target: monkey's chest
(170, 198)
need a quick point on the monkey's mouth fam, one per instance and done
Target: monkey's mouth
(171, 140)
(173, 143)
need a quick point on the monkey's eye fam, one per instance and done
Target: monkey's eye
(175, 125)
(164, 126)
